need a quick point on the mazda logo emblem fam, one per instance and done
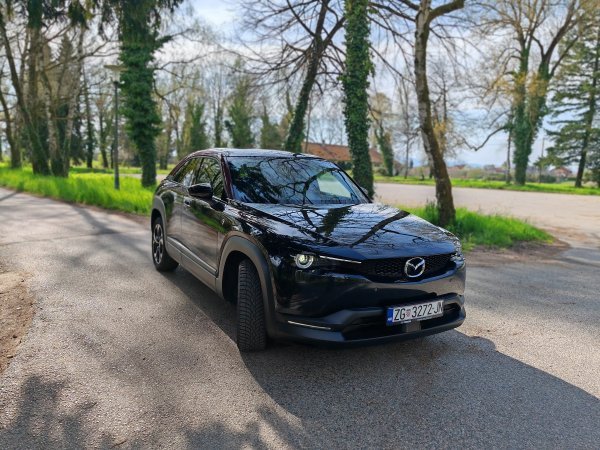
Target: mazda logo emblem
(414, 267)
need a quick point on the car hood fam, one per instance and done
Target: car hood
(355, 231)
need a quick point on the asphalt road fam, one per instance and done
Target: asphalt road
(120, 355)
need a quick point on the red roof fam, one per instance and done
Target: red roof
(337, 153)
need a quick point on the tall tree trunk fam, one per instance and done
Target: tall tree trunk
(293, 142)
(443, 186)
(355, 82)
(295, 135)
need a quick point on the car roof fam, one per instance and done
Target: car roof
(250, 152)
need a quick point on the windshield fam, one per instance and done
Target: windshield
(296, 181)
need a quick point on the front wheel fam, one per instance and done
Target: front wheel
(251, 329)
(162, 261)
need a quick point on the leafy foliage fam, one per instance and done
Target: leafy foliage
(194, 129)
(240, 115)
(270, 133)
(384, 142)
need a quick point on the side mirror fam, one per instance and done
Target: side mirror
(202, 190)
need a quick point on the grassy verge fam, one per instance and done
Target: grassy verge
(476, 229)
(557, 188)
(87, 188)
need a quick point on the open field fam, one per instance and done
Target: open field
(559, 188)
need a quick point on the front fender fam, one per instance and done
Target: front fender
(254, 252)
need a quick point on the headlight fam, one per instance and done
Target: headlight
(304, 261)
(458, 247)
(458, 256)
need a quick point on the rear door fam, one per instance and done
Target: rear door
(202, 220)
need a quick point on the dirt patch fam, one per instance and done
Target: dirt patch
(16, 312)
(522, 252)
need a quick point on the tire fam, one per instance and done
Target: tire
(251, 329)
(162, 261)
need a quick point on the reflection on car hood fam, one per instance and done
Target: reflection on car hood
(363, 231)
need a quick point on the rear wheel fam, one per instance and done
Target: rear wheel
(162, 261)
(251, 329)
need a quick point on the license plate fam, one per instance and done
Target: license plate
(405, 314)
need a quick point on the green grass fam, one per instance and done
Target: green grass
(557, 188)
(476, 229)
(88, 188)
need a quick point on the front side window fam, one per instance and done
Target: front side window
(209, 171)
(185, 175)
(297, 181)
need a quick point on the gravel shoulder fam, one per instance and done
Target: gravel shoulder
(120, 355)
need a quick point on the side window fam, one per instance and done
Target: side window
(186, 173)
(210, 172)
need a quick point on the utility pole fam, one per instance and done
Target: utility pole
(541, 161)
(508, 157)
(116, 143)
(116, 77)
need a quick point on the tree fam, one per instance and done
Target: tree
(301, 34)
(194, 128)
(443, 187)
(408, 119)
(139, 24)
(240, 111)
(384, 141)
(270, 132)
(355, 82)
(576, 100)
(529, 62)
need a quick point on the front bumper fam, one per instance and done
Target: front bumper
(342, 310)
(365, 325)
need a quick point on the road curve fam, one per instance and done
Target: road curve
(120, 355)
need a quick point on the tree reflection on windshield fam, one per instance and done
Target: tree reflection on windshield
(296, 181)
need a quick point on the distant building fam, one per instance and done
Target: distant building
(340, 154)
(561, 172)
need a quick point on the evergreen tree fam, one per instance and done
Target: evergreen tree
(576, 102)
(194, 129)
(240, 115)
(270, 133)
(139, 25)
(384, 142)
(356, 83)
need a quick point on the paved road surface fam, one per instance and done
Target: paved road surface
(120, 355)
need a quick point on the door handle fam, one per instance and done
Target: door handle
(187, 202)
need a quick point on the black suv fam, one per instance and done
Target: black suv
(303, 252)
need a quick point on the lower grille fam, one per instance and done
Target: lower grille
(393, 269)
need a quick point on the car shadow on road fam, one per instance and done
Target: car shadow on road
(444, 389)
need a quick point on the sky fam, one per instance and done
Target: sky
(221, 15)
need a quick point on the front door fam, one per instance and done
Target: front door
(202, 219)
